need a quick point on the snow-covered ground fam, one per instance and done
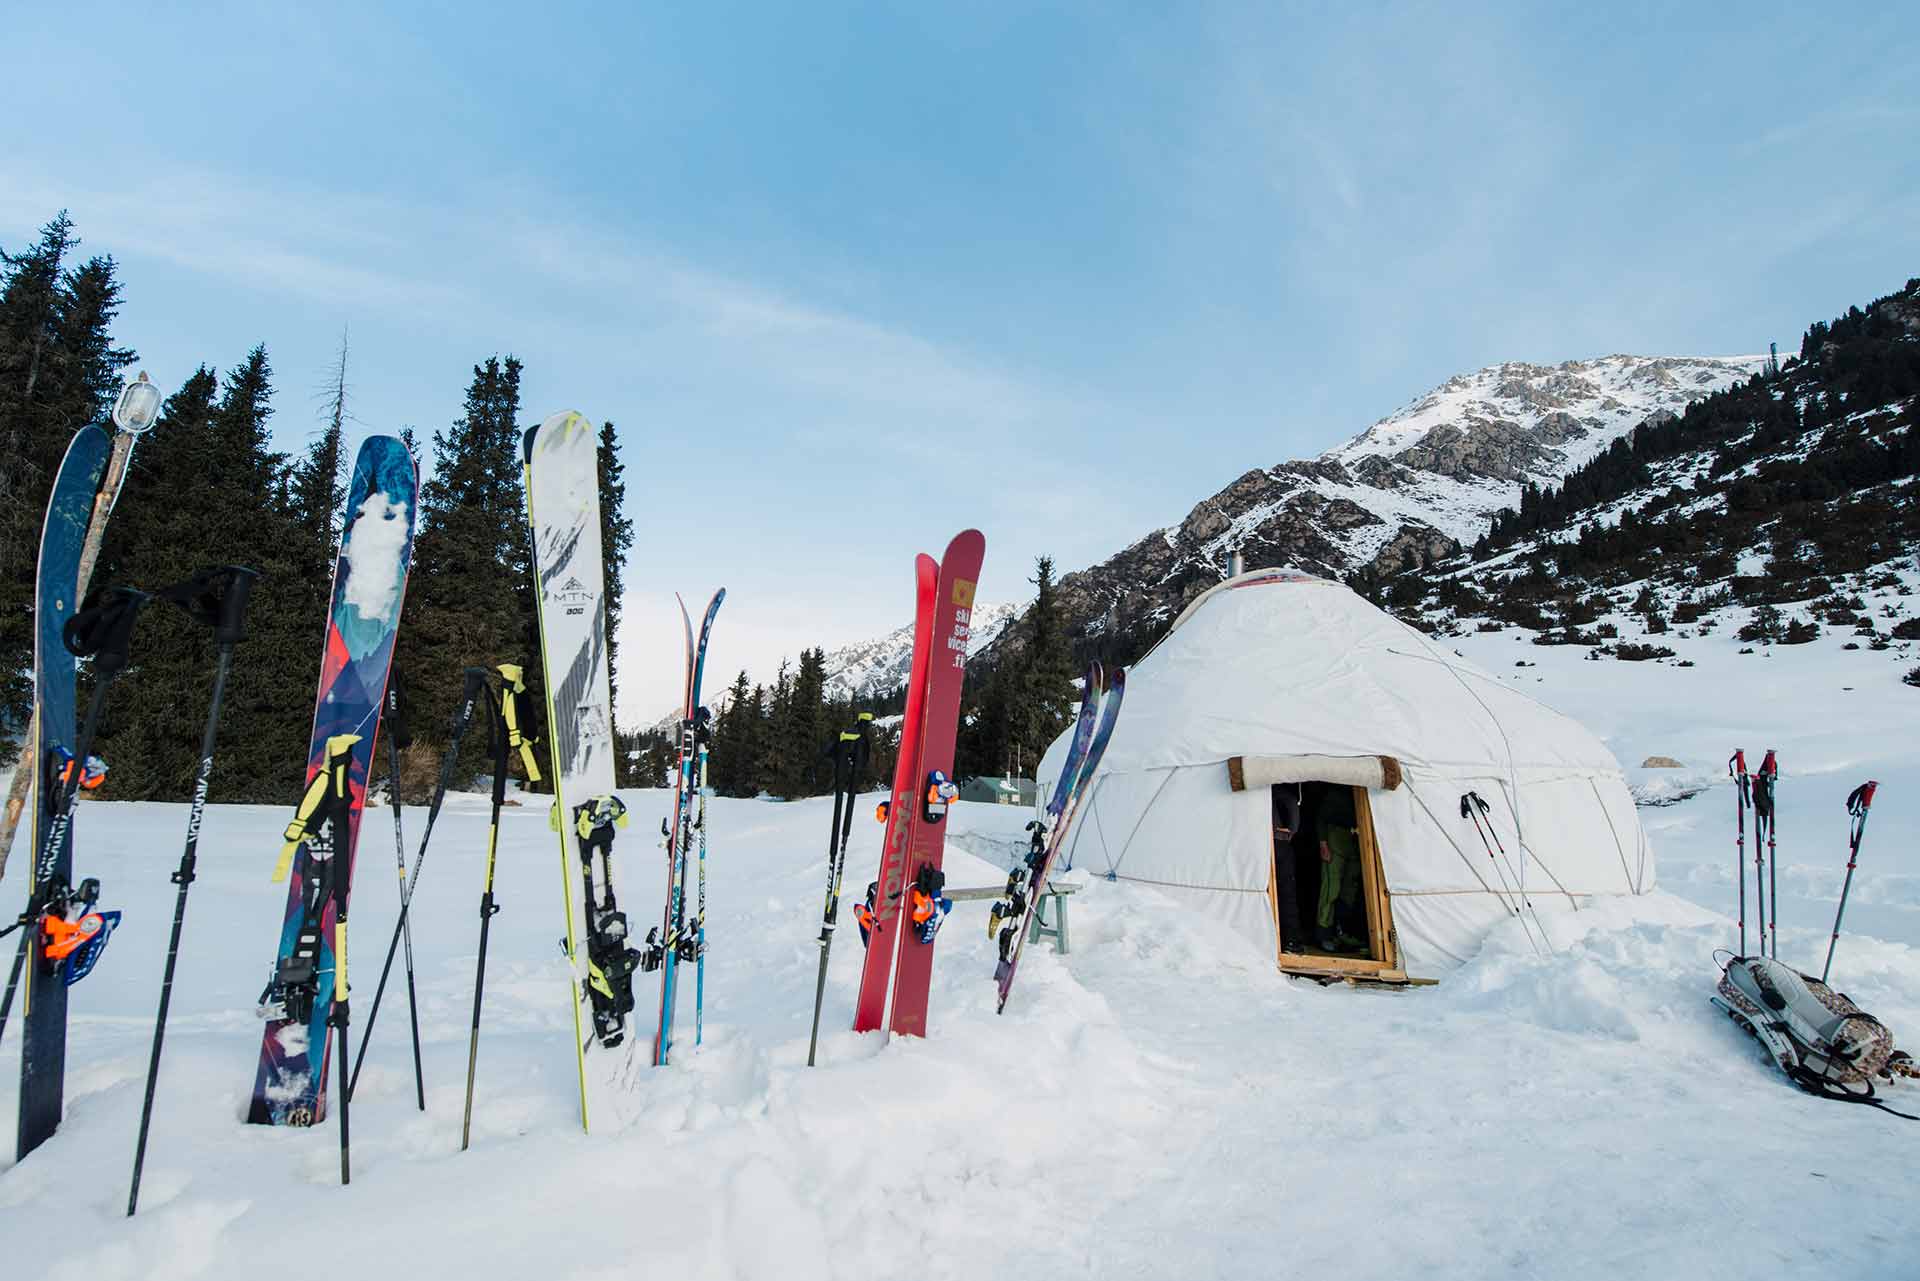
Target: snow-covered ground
(1159, 1102)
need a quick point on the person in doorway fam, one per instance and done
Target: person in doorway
(1286, 884)
(1339, 870)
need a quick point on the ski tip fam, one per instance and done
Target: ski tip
(565, 425)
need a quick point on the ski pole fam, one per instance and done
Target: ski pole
(700, 912)
(849, 758)
(1770, 774)
(341, 1015)
(502, 729)
(396, 731)
(475, 678)
(1737, 771)
(217, 597)
(1858, 804)
(101, 632)
(1526, 904)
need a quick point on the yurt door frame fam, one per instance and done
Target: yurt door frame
(1383, 959)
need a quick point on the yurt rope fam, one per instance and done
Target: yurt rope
(1113, 864)
(1513, 789)
(1617, 848)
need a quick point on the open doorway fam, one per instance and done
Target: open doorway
(1330, 903)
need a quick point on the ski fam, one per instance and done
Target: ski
(63, 930)
(1013, 940)
(850, 753)
(216, 598)
(879, 926)
(561, 458)
(676, 941)
(1009, 914)
(927, 905)
(369, 589)
(133, 414)
(76, 495)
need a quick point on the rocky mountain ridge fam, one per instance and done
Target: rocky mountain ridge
(1417, 484)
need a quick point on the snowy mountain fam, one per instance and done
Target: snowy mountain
(1421, 481)
(876, 666)
(1782, 511)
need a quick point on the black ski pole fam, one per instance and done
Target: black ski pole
(1858, 803)
(101, 632)
(503, 727)
(218, 598)
(849, 759)
(475, 678)
(341, 1016)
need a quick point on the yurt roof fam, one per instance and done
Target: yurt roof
(1276, 662)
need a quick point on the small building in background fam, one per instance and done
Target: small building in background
(999, 791)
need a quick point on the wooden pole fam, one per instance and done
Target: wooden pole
(89, 553)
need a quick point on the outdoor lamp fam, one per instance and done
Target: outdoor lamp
(138, 406)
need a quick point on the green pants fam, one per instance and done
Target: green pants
(1340, 875)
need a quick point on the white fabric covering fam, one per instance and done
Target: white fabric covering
(1275, 664)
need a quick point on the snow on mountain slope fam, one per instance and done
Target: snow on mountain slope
(877, 666)
(1160, 1093)
(1421, 480)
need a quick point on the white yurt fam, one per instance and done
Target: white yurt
(1471, 802)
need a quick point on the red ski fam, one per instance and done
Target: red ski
(870, 1011)
(934, 791)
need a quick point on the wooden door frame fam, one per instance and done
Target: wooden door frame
(1382, 964)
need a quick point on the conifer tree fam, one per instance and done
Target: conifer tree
(470, 597)
(317, 486)
(59, 371)
(215, 449)
(616, 539)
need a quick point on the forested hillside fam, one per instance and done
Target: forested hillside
(1772, 504)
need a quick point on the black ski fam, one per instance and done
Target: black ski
(60, 926)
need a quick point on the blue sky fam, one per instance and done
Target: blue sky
(852, 278)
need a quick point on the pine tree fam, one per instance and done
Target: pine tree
(1046, 694)
(216, 448)
(59, 371)
(730, 764)
(317, 486)
(470, 599)
(616, 539)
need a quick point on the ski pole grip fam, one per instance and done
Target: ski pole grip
(231, 627)
(103, 630)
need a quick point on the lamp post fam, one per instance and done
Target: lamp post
(134, 412)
